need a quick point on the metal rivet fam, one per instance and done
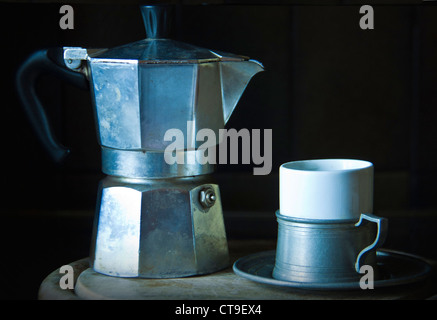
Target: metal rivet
(207, 197)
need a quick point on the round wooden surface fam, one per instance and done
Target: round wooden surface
(224, 285)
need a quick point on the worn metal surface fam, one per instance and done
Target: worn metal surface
(155, 219)
(315, 251)
(137, 103)
(140, 164)
(142, 89)
(158, 229)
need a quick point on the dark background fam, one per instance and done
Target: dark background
(329, 90)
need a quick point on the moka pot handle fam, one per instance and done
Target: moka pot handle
(45, 61)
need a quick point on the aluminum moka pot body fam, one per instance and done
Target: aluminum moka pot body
(159, 228)
(153, 219)
(137, 101)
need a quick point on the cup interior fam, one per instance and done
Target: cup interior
(328, 165)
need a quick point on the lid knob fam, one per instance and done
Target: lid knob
(157, 20)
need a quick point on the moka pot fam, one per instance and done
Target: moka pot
(153, 219)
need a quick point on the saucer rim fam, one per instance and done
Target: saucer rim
(426, 269)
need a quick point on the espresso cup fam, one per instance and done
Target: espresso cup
(326, 228)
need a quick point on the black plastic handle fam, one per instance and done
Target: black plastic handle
(42, 62)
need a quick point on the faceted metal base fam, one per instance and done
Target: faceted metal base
(159, 228)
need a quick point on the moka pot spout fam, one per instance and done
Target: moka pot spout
(235, 76)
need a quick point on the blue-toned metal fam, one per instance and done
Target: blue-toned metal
(154, 218)
(326, 251)
(136, 102)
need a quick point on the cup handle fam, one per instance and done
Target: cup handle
(381, 234)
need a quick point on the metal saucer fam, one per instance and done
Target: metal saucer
(398, 268)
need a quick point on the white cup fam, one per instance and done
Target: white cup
(326, 189)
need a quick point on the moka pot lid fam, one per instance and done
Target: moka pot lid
(157, 48)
